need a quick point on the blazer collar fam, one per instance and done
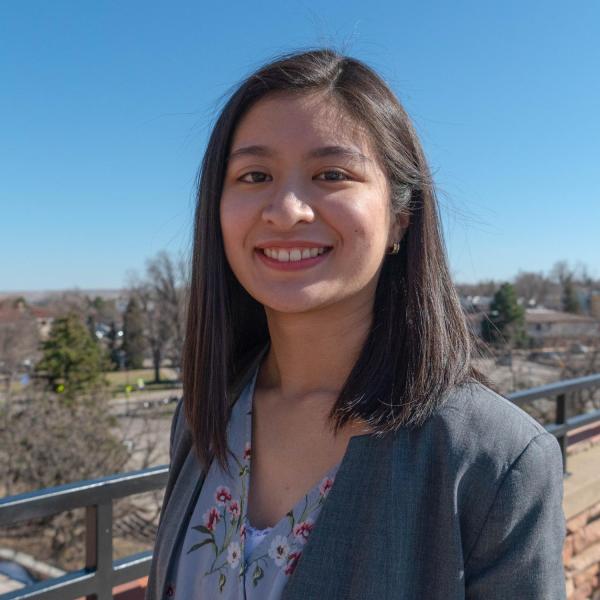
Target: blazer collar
(181, 503)
(367, 459)
(183, 496)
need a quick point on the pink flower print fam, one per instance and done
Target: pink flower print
(247, 451)
(234, 509)
(233, 554)
(211, 518)
(303, 529)
(293, 559)
(222, 495)
(325, 486)
(279, 550)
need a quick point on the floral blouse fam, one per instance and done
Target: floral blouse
(222, 555)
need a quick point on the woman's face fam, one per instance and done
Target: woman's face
(305, 210)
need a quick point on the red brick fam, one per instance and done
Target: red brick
(568, 550)
(582, 593)
(587, 576)
(585, 559)
(574, 524)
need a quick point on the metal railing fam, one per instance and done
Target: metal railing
(560, 392)
(101, 574)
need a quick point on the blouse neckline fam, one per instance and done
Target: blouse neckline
(330, 473)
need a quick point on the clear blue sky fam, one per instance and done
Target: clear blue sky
(105, 108)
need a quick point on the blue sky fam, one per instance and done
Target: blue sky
(105, 109)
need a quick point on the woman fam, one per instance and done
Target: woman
(334, 439)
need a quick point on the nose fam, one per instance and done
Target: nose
(286, 208)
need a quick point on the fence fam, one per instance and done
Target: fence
(101, 574)
(560, 392)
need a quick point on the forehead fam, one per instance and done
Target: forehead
(289, 121)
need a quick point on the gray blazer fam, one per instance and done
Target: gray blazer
(467, 506)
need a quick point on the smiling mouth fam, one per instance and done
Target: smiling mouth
(285, 255)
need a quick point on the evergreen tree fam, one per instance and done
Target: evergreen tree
(72, 361)
(113, 342)
(569, 299)
(133, 335)
(90, 323)
(506, 321)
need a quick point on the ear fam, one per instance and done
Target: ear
(398, 227)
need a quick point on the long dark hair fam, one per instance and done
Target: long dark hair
(418, 347)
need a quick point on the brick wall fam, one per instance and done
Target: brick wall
(581, 555)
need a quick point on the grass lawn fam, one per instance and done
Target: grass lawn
(119, 379)
(122, 378)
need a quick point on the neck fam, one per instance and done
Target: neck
(314, 352)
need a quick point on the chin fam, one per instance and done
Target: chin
(292, 307)
(295, 303)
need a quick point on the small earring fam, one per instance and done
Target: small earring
(395, 248)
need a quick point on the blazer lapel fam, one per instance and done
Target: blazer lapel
(350, 516)
(186, 488)
(176, 517)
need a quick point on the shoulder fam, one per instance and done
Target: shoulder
(505, 476)
(478, 425)
(492, 463)
(479, 406)
(475, 440)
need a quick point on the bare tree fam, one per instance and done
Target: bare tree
(532, 286)
(19, 341)
(167, 278)
(161, 296)
(46, 443)
(67, 301)
(583, 275)
(561, 272)
(486, 287)
(156, 326)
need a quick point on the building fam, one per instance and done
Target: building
(547, 327)
(16, 312)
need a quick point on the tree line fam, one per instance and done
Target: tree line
(62, 427)
(91, 335)
(558, 288)
(504, 323)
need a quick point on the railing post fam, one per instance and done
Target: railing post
(98, 548)
(561, 419)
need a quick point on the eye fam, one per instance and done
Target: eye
(333, 175)
(254, 177)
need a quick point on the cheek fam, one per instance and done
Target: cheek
(233, 234)
(365, 225)
(235, 220)
(228, 221)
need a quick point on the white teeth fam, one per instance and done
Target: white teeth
(293, 254)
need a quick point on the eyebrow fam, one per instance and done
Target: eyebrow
(324, 151)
